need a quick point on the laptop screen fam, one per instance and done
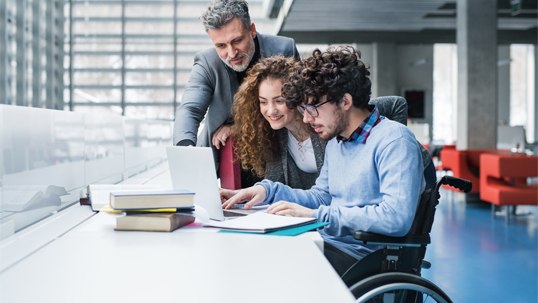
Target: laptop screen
(193, 169)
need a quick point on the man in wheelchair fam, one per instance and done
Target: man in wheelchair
(372, 176)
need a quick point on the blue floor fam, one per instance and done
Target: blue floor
(476, 258)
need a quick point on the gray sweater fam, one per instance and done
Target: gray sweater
(395, 108)
(373, 186)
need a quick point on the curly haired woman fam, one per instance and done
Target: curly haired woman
(272, 140)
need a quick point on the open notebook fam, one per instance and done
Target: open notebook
(261, 222)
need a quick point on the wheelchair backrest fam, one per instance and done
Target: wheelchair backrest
(423, 221)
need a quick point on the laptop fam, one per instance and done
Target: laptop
(193, 169)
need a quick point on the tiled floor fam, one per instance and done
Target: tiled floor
(476, 258)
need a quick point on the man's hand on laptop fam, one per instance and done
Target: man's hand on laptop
(284, 208)
(255, 195)
(226, 194)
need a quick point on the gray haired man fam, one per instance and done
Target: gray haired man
(218, 72)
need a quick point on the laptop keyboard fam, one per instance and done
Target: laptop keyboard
(242, 205)
(231, 213)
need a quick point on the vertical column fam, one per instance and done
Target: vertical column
(4, 20)
(477, 74)
(383, 69)
(59, 55)
(503, 84)
(535, 93)
(175, 56)
(71, 59)
(49, 37)
(22, 62)
(123, 87)
(36, 54)
(55, 54)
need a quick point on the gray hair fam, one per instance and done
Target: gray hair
(221, 12)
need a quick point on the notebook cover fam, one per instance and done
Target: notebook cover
(285, 232)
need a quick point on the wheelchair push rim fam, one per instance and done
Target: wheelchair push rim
(387, 282)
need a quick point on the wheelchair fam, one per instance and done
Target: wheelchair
(392, 274)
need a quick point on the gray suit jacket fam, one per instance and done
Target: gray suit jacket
(211, 88)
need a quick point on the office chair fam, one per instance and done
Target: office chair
(392, 274)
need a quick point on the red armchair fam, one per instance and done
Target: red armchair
(230, 166)
(464, 164)
(503, 180)
(440, 166)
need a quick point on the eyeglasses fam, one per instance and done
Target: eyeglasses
(311, 109)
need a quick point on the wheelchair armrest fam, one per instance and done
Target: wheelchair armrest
(408, 240)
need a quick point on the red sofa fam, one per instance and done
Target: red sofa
(503, 179)
(464, 164)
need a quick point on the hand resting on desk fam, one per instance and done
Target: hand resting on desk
(285, 208)
(255, 195)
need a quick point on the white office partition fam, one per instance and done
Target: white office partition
(136, 144)
(42, 164)
(48, 157)
(159, 135)
(144, 144)
(104, 149)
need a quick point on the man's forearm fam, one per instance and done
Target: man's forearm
(311, 198)
(185, 142)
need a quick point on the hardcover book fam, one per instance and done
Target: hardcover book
(110, 210)
(166, 222)
(99, 194)
(147, 199)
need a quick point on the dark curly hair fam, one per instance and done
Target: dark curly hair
(332, 73)
(257, 142)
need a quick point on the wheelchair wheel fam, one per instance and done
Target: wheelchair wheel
(397, 287)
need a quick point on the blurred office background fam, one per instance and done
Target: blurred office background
(133, 57)
(89, 88)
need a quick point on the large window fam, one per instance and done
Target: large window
(522, 88)
(132, 57)
(445, 93)
(31, 53)
(519, 101)
(127, 57)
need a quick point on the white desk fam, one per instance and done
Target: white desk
(94, 263)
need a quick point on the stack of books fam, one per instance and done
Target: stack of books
(152, 210)
(99, 194)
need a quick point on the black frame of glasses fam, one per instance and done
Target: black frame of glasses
(311, 108)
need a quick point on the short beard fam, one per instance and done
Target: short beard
(341, 122)
(249, 56)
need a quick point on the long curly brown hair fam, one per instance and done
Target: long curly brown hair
(257, 142)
